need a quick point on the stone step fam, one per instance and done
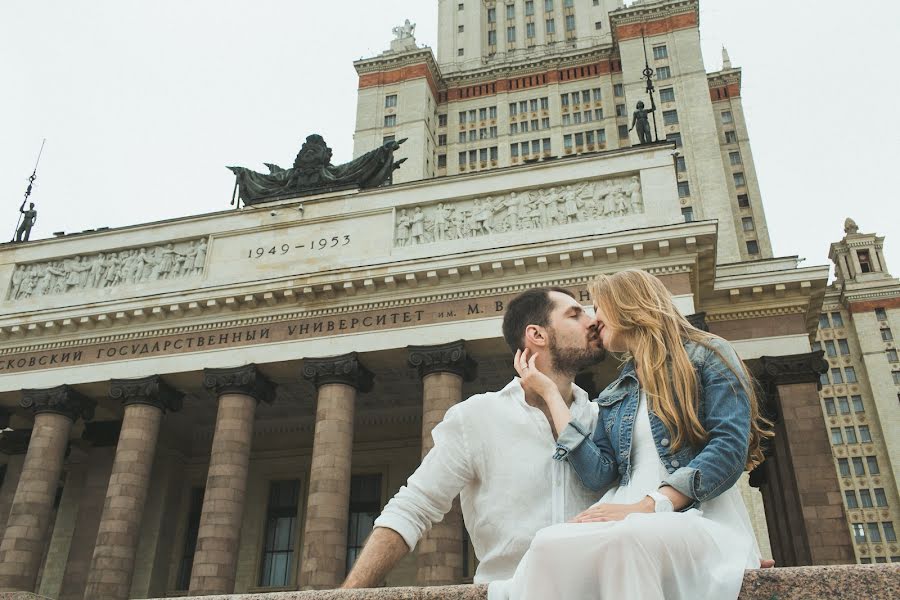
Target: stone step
(847, 582)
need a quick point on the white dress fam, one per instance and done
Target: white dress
(694, 554)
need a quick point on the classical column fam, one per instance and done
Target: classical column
(337, 380)
(55, 410)
(443, 369)
(13, 444)
(112, 564)
(802, 476)
(239, 390)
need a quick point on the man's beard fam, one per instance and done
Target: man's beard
(569, 361)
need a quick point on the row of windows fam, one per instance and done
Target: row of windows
(859, 467)
(529, 9)
(522, 106)
(587, 116)
(836, 320)
(831, 349)
(476, 156)
(587, 137)
(485, 133)
(849, 436)
(530, 31)
(865, 498)
(535, 147)
(842, 404)
(524, 126)
(837, 378)
(879, 559)
(869, 532)
(477, 114)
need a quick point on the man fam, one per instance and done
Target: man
(28, 219)
(495, 451)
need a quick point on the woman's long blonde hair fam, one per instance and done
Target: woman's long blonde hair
(639, 306)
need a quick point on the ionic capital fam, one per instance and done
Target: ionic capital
(151, 390)
(789, 369)
(443, 358)
(62, 400)
(345, 370)
(246, 380)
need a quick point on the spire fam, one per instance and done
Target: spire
(726, 60)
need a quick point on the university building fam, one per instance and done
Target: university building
(224, 402)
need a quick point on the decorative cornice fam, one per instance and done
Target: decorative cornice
(102, 434)
(345, 370)
(246, 380)
(790, 369)
(151, 390)
(443, 358)
(62, 400)
(761, 313)
(15, 441)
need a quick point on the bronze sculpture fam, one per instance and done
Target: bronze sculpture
(28, 218)
(641, 121)
(313, 172)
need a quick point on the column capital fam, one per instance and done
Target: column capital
(246, 380)
(789, 369)
(62, 400)
(15, 441)
(443, 358)
(345, 369)
(147, 390)
(698, 320)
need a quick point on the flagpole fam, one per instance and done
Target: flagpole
(31, 181)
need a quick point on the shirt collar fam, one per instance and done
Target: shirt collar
(515, 390)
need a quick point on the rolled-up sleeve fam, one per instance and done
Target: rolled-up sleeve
(590, 454)
(429, 492)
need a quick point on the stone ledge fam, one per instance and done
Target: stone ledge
(849, 582)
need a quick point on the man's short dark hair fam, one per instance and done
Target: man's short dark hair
(528, 308)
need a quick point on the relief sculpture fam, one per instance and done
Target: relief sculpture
(109, 269)
(519, 211)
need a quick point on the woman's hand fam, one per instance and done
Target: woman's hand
(531, 378)
(614, 512)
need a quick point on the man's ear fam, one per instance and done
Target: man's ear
(536, 336)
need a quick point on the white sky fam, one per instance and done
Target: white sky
(143, 103)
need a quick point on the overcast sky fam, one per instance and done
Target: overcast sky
(143, 103)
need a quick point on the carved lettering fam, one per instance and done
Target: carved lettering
(474, 309)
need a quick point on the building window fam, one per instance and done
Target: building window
(473, 135)
(837, 319)
(865, 263)
(880, 498)
(872, 463)
(492, 132)
(551, 26)
(850, 374)
(510, 11)
(857, 404)
(865, 498)
(598, 25)
(526, 149)
(688, 213)
(511, 34)
(579, 140)
(621, 110)
(829, 406)
(730, 137)
(886, 334)
(492, 15)
(896, 376)
(739, 180)
(735, 158)
(482, 155)
(684, 189)
(727, 117)
(442, 161)
(388, 138)
(674, 137)
(529, 7)
(546, 144)
(752, 247)
(844, 467)
(663, 73)
(183, 581)
(618, 90)
(568, 3)
(747, 223)
(390, 120)
(564, 99)
(850, 497)
(858, 468)
(837, 377)
(460, 6)
(824, 323)
(493, 150)
(881, 314)
(548, 5)
(278, 541)
(462, 159)
(545, 123)
(545, 103)
(850, 435)
(889, 534)
(601, 136)
(492, 37)
(567, 141)
(670, 117)
(667, 95)
(660, 52)
(365, 504)
(843, 347)
(874, 533)
(529, 30)
(588, 116)
(823, 379)
(865, 435)
(570, 22)
(892, 355)
(598, 94)
(586, 96)
(523, 126)
(460, 29)
(576, 118)
(390, 101)
(442, 120)
(836, 438)
(460, 52)
(623, 132)
(844, 405)
(743, 200)
(442, 139)
(680, 164)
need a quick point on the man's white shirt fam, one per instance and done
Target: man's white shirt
(495, 451)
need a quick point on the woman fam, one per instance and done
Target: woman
(677, 429)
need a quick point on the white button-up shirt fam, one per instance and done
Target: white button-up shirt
(495, 451)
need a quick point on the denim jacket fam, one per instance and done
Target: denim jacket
(700, 473)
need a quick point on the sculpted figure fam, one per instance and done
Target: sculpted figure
(417, 230)
(26, 288)
(17, 277)
(637, 199)
(642, 121)
(440, 223)
(200, 257)
(403, 224)
(28, 219)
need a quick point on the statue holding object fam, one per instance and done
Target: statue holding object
(642, 121)
(313, 172)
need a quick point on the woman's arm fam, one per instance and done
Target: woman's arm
(720, 463)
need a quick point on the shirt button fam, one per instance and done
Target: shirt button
(664, 441)
(675, 463)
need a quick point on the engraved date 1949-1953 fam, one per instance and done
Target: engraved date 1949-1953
(314, 245)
